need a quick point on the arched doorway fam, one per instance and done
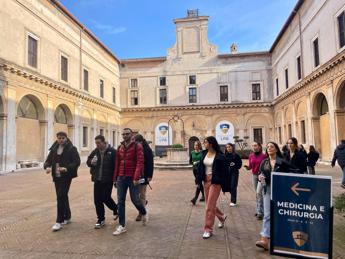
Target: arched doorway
(30, 135)
(340, 112)
(321, 126)
(191, 142)
(63, 120)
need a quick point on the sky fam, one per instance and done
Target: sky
(145, 28)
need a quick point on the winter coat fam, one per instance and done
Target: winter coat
(129, 161)
(148, 163)
(108, 165)
(312, 158)
(233, 165)
(218, 169)
(299, 161)
(339, 154)
(69, 159)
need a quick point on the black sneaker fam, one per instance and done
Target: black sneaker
(193, 201)
(99, 224)
(259, 217)
(202, 199)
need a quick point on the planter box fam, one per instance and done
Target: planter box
(177, 155)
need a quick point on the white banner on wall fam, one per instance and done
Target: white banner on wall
(225, 132)
(161, 135)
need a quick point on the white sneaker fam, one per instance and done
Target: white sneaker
(222, 223)
(66, 222)
(145, 218)
(119, 230)
(57, 227)
(206, 235)
(232, 204)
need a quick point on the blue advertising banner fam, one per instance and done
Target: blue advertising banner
(301, 215)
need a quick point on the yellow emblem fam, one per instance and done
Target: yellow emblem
(300, 237)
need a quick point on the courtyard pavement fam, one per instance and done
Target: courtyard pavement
(28, 209)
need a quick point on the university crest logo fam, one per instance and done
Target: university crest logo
(300, 237)
(224, 128)
(163, 130)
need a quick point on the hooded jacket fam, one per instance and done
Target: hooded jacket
(108, 165)
(339, 154)
(69, 159)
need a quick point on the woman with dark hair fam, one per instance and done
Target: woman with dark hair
(211, 171)
(255, 159)
(194, 159)
(296, 157)
(312, 158)
(147, 173)
(273, 163)
(233, 163)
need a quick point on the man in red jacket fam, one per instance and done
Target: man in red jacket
(128, 169)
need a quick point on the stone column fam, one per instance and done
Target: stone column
(44, 140)
(331, 109)
(3, 122)
(309, 124)
(11, 132)
(50, 124)
(77, 126)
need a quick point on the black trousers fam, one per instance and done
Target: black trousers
(199, 188)
(233, 185)
(102, 195)
(62, 186)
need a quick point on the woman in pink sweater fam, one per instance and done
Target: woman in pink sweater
(255, 159)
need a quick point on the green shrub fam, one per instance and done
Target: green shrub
(339, 202)
(177, 146)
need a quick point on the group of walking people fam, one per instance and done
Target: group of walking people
(216, 171)
(130, 167)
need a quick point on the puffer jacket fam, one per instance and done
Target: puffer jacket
(339, 154)
(129, 161)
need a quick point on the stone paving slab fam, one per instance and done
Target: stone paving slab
(27, 212)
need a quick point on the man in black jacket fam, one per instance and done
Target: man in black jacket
(102, 162)
(62, 162)
(339, 154)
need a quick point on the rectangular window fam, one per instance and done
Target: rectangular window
(101, 88)
(257, 133)
(289, 131)
(280, 135)
(299, 69)
(224, 95)
(114, 95)
(64, 68)
(86, 80)
(256, 92)
(341, 29)
(134, 97)
(32, 51)
(163, 96)
(192, 95)
(162, 81)
(277, 86)
(134, 83)
(85, 136)
(303, 137)
(192, 80)
(286, 78)
(316, 52)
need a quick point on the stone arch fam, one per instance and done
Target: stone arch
(340, 111)
(288, 121)
(63, 120)
(301, 122)
(30, 130)
(258, 127)
(321, 125)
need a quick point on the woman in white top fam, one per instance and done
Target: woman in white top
(211, 171)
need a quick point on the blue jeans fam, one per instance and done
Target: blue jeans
(123, 184)
(265, 230)
(258, 191)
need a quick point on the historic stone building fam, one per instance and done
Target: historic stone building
(56, 75)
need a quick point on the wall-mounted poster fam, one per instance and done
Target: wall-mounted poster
(225, 132)
(162, 134)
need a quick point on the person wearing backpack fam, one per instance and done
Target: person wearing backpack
(147, 173)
